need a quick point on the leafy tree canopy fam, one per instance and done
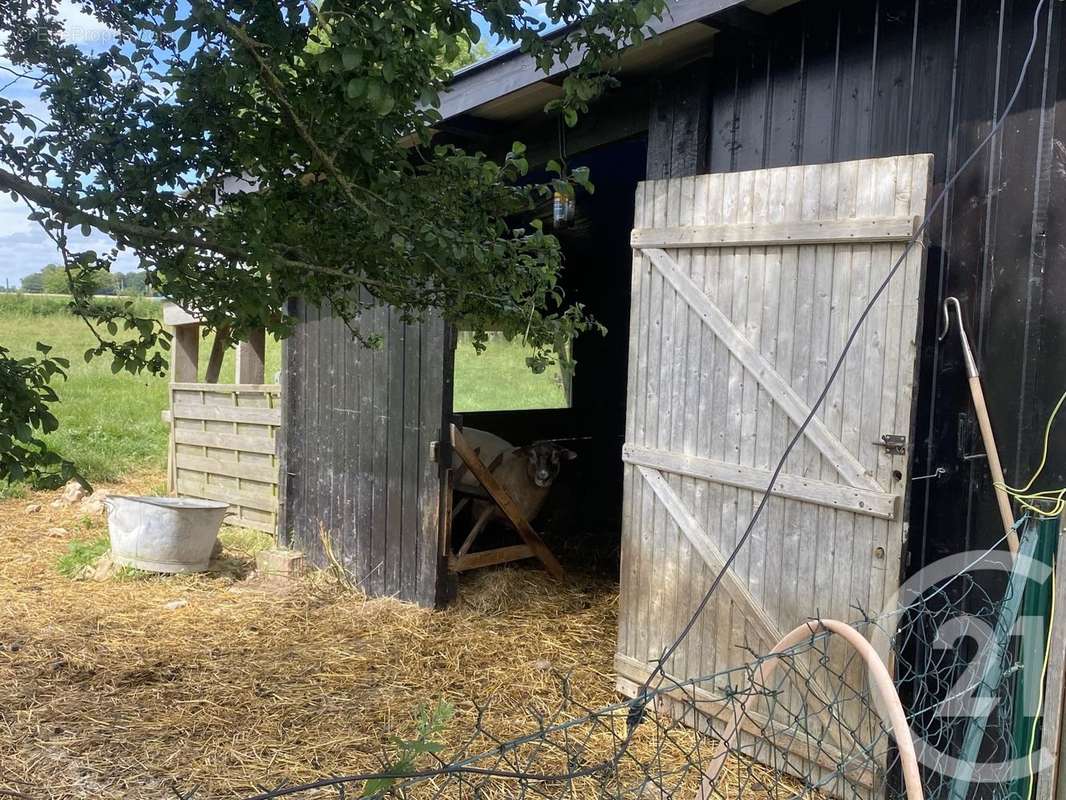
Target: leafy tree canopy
(53, 280)
(250, 151)
(34, 282)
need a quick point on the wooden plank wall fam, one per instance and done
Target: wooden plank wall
(840, 79)
(358, 427)
(834, 80)
(224, 446)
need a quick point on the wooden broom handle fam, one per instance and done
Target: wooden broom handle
(977, 392)
(1002, 498)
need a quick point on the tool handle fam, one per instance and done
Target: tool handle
(1002, 498)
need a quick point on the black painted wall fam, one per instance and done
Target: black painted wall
(582, 517)
(842, 79)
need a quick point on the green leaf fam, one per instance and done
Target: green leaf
(351, 57)
(385, 104)
(581, 177)
(356, 88)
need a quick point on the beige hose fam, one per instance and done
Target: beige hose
(879, 678)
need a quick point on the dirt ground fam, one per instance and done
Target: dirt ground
(140, 686)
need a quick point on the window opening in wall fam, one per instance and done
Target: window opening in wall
(498, 378)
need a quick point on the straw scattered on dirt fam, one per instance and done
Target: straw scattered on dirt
(133, 686)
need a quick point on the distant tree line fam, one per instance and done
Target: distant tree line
(53, 280)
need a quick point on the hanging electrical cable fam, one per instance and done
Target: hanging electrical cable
(1033, 501)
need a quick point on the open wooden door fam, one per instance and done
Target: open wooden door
(361, 487)
(745, 287)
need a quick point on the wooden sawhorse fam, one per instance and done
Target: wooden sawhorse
(533, 545)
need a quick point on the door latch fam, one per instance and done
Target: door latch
(894, 444)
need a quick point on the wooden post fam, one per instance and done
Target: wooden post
(218, 352)
(184, 368)
(186, 354)
(251, 358)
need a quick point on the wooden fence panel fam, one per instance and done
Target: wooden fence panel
(224, 446)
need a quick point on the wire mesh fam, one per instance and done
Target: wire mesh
(808, 723)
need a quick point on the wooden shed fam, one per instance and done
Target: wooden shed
(757, 171)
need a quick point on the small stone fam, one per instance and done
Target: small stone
(57, 532)
(60, 503)
(73, 492)
(103, 569)
(91, 506)
(33, 508)
(85, 573)
(542, 664)
(174, 605)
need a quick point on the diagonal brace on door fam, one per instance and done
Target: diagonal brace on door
(766, 628)
(842, 459)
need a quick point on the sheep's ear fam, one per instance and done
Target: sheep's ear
(567, 455)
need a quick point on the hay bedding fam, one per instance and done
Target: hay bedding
(107, 690)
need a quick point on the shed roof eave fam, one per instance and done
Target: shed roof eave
(513, 70)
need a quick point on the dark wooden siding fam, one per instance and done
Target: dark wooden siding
(862, 78)
(358, 427)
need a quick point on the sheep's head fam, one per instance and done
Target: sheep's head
(544, 461)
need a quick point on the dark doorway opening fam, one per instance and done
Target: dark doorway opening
(582, 516)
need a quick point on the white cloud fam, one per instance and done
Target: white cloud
(24, 247)
(82, 29)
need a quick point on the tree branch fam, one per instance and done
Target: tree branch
(278, 91)
(69, 212)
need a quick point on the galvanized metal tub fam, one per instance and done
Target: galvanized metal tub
(163, 534)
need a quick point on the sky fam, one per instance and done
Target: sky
(24, 248)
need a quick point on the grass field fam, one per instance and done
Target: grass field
(110, 425)
(499, 380)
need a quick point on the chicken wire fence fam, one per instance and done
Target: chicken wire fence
(807, 720)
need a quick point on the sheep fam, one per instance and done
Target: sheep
(525, 473)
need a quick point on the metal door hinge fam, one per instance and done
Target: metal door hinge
(434, 452)
(894, 444)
